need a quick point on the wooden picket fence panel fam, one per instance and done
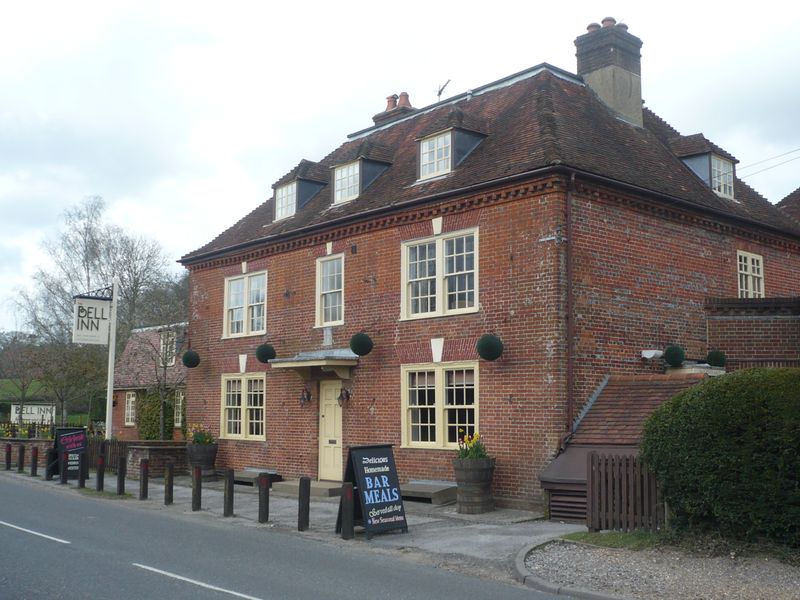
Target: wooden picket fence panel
(622, 494)
(114, 449)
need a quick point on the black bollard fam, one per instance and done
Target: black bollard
(34, 460)
(62, 468)
(144, 473)
(263, 497)
(227, 509)
(8, 457)
(21, 459)
(169, 476)
(348, 507)
(101, 471)
(303, 504)
(122, 466)
(82, 472)
(52, 462)
(197, 488)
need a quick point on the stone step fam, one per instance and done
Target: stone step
(319, 489)
(250, 475)
(438, 492)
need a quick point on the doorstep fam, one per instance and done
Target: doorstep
(319, 489)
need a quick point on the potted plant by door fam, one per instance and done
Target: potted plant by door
(474, 470)
(201, 451)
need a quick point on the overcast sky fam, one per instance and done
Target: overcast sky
(182, 115)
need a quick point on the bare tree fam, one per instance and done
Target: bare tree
(19, 362)
(84, 257)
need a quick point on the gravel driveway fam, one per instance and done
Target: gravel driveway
(658, 573)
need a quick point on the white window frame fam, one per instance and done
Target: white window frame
(722, 176)
(440, 406)
(130, 408)
(441, 278)
(436, 155)
(178, 401)
(246, 413)
(285, 201)
(346, 182)
(322, 291)
(750, 269)
(248, 308)
(168, 347)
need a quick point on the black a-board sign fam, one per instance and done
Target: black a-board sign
(74, 442)
(376, 490)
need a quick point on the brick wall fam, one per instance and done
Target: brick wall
(755, 333)
(642, 277)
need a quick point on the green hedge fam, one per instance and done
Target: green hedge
(727, 454)
(148, 417)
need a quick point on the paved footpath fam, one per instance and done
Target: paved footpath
(486, 545)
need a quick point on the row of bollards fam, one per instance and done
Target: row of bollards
(263, 483)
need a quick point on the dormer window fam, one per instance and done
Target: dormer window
(435, 156)
(285, 200)
(722, 176)
(346, 182)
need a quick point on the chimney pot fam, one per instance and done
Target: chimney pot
(622, 26)
(391, 102)
(592, 27)
(404, 101)
(609, 22)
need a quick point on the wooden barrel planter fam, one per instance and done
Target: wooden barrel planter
(474, 479)
(203, 456)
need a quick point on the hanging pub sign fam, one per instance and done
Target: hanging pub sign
(90, 320)
(376, 490)
(73, 442)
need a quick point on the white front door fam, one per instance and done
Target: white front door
(330, 431)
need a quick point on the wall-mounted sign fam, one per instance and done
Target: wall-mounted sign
(34, 413)
(376, 488)
(91, 320)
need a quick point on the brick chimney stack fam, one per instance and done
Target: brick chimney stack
(610, 62)
(396, 107)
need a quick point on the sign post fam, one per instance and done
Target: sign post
(378, 503)
(95, 322)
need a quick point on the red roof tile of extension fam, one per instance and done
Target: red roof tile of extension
(136, 367)
(536, 121)
(791, 205)
(618, 415)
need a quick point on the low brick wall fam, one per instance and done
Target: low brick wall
(42, 445)
(159, 453)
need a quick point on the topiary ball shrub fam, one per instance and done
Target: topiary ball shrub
(361, 344)
(716, 358)
(727, 454)
(190, 359)
(265, 353)
(489, 347)
(674, 355)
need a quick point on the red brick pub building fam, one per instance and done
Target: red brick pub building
(548, 209)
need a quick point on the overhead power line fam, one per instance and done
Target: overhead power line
(768, 168)
(768, 159)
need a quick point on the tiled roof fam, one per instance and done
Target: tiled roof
(791, 205)
(618, 415)
(690, 145)
(540, 118)
(136, 367)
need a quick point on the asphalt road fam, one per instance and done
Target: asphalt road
(56, 544)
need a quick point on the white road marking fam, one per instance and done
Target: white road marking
(47, 537)
(195, 582)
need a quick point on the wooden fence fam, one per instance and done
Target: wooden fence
(622, 494)
(114, 449)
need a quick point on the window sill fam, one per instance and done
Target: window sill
(465, 311)
(243, 335)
